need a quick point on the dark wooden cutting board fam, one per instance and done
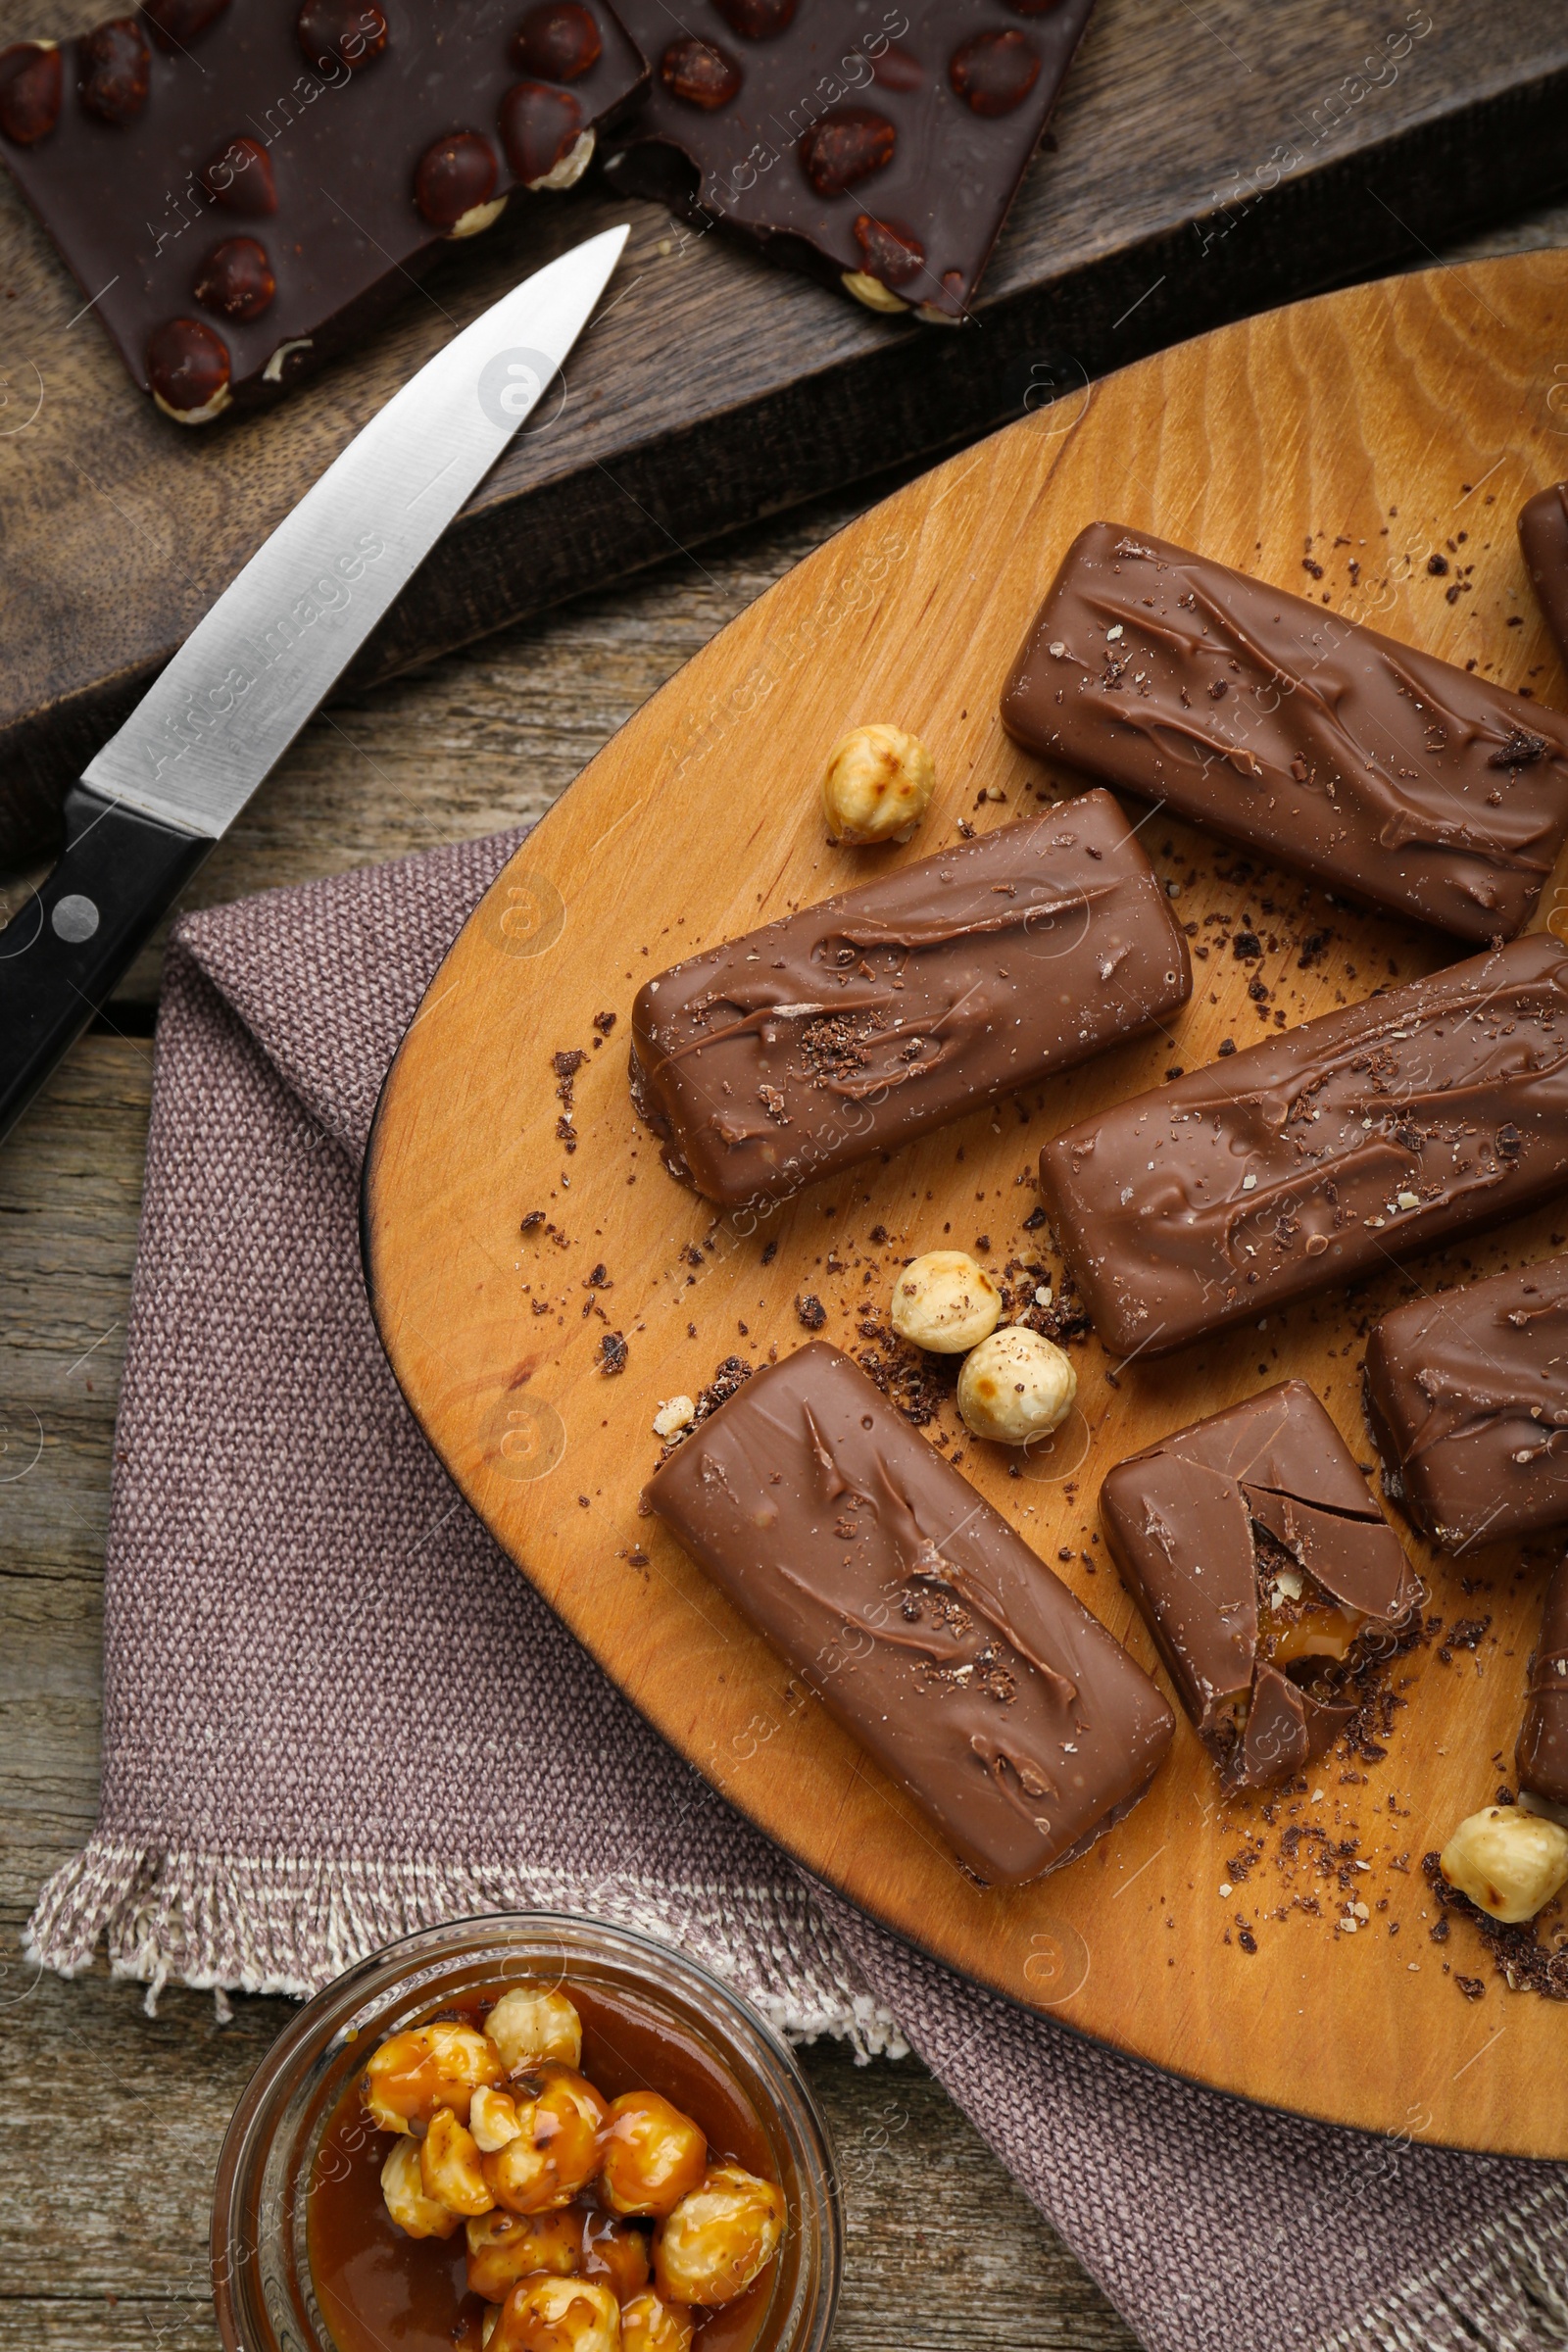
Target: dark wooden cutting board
(1207, 162)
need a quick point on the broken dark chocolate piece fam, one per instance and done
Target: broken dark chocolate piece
(1359, 1138)
(353, 140)
(1467, 1402)
(1541, 1756)
(879, 158)
(1544, 538)
(1266, 1570)
(857, 1023)
(924, 1623)
(1416, 786)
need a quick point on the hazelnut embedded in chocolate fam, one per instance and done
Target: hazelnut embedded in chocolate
(699, 74)
(559, 41)
(994, 72)
(540, 128)
(188, 370)
(341, 33)
(893, 255)
(113, 64)
(236, 279)
(240, 178)
(846, 147)
(176, 24)
(454, 181)
(30, 82)
(758, 19)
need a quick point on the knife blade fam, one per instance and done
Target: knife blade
(220, 715)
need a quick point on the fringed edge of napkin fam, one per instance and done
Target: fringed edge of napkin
(1504, 2287)
(280, 1924)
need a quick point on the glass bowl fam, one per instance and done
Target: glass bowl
(262, 2283)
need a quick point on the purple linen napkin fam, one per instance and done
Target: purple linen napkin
(333, 1712)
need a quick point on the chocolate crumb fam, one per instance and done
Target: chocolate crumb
(612, 1355)
(811, 1310)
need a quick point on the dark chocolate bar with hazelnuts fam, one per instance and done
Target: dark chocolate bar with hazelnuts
(876, 146)
(239, 186)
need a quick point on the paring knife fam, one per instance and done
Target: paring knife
(164, 790)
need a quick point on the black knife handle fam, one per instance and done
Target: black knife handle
(62, 954)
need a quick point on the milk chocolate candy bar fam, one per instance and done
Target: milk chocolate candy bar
(1467, 1402)
(879, 148)
(857, 1023)
(241, 185)
(1412, 784)
(1541, 1756)
(1321, 1154)
(1266, 1570)
(1544, 538)
(928, 1628)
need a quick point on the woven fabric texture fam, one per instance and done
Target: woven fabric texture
(333, 1712)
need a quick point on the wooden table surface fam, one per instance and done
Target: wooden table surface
(116, 2118)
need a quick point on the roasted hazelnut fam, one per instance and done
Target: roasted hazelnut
(944, 1302)
(351, 33)
(846, 147)
(448, 2165)
(112, 66)
(615, 2252)
(892, 254)
(531, 2023)
(758, 19)
(558, 2151)
(541, 131)
(876, 785)
(30, 87)
(176, 24)
(424, 2068)
(1507, 1861)
(507, 2247)
(1017, 1385)
(411, 2205)
(236, 279)
(654, 2154)
(994, 72)
(454, 184)
(648, 2324)
(719, 2238)
(699, 75)
(557, 42)
(559, 2315)
(240, 178)
(188, 370)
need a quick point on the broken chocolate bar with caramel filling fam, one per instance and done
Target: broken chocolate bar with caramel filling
(911, 1608)
(1411, 784)
(1266, 1570)
(1541, 1756)
(857, 1023)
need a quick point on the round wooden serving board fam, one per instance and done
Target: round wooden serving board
(1336, 447)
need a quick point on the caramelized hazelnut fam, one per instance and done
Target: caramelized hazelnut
(425, 2068)
(654, 2154)
(557, 2149)
(505, 2248)
(236, 279)
(30, 83)
(615, 2253)
(699, 74)
(558, 2314)
(758, 19)
(240, 178)
(557, 42)
(340, 33)
(529, 2024)
(542, 132)
(719, 2238)
(994, 72)
(493, 2119)
(454, 181)
(176, 24)
(113, 64)
(649, 2326)
(846, 147)
(416, 2212)
(448, 2165)
(893, 255)
(188, 370)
